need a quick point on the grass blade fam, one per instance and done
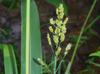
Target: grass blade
(31, 40)
(95, 54)
(35, 40)
(13, 57)
(7, 60)
(10, 64)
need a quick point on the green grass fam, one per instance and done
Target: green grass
(79, 38)
(10, 63)
(30, 38)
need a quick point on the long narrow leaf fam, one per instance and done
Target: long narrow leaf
(31, 40)
(35, 39)
(10, 64)
(23, 37)
(96, 54)
(13, 59)
(7, 60)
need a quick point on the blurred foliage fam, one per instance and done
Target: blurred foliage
(5, 34)
(87, 34)
(96, 54)
(87, 70)
(93, 57)
(11, 4)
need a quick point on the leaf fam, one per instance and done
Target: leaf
(10, 64)
(13, 57)
(30, 38)
(56, 4)
(7, 60)
(96, 54)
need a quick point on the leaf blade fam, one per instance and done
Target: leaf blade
(34, 39)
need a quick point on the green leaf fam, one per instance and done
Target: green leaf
(7, 60)
(13, 57)
(56, 4)
(30, 38)
(10, 64)
(96, 54)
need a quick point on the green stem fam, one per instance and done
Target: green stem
(49, 71)
(79, 38)
(60, 63)
(55, 64)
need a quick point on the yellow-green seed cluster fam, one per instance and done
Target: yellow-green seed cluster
(58, 28)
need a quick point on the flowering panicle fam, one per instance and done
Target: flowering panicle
(57, 33)
(58, 28)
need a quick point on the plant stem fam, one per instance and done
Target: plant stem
(55, 64)
(79, 38)
(52, 49)
(60, 63)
